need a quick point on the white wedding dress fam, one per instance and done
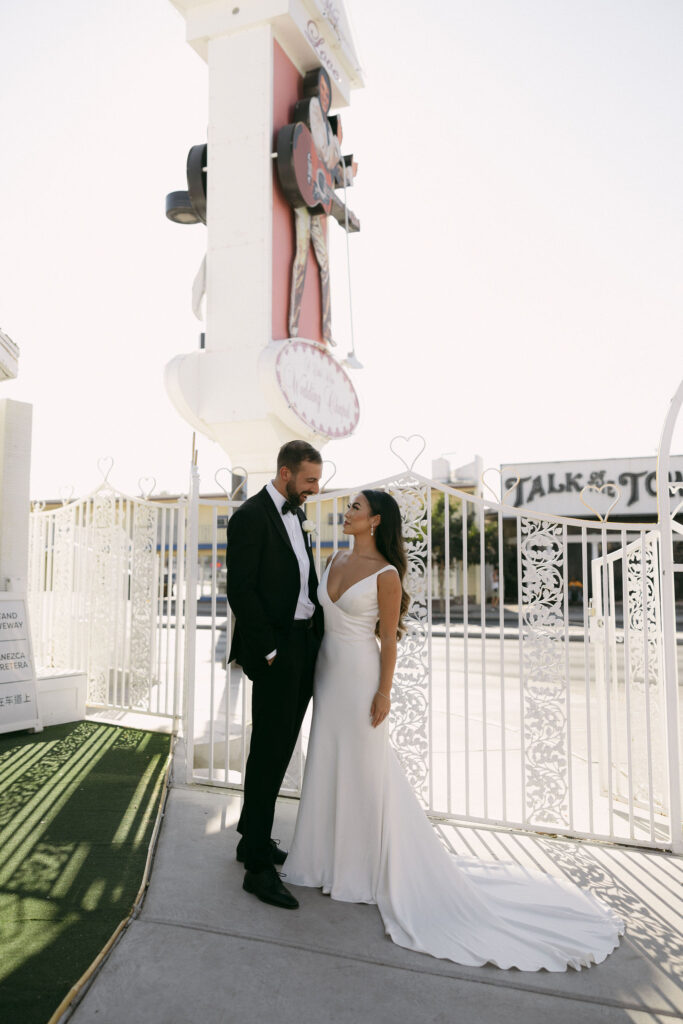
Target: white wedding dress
(362, 836)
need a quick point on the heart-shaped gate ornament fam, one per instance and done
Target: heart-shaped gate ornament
(607, 489)
(224, 478)
(105, 466)
(414, 443)
(673, 488)
(146, 485)
(331, 475)
(504, 494)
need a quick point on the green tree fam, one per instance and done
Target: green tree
(455, 532)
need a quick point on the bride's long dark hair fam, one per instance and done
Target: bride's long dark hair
(389, 541)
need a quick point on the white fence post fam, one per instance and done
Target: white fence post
(191, 570)
(669, 621)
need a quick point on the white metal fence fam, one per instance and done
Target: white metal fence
(547, 711)
(106, 586)
(549, 703)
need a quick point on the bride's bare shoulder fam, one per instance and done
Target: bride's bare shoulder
(336, 556)
(387, 578)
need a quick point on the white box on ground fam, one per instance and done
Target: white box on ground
(61, 696)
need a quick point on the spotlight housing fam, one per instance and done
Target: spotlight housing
(179, 208)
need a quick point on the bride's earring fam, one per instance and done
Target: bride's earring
(372, 530)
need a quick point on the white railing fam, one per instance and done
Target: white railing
(667, 509)
(555, 709)
(106, 579)
(217, 723)
(547, 712)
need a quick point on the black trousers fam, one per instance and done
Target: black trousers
(280, 696)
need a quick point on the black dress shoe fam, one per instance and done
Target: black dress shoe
(268, 888)
(279, 856)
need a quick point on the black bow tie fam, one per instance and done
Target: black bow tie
(290, 506)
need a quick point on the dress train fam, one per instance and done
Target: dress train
(362, 837)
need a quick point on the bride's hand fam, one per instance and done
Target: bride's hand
(379, 709)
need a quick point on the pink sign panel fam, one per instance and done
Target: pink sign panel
(317, 389)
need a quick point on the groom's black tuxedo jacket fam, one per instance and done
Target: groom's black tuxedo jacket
(263, 582)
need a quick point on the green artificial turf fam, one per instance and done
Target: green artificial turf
(77, 809)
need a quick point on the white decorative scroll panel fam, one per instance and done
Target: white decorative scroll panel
(543, 641)
(646, 683)
(410, 699)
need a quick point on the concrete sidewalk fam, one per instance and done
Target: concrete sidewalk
(202, 951)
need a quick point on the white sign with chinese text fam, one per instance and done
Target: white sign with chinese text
(18, 698)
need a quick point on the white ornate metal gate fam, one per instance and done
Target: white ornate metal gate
(629, 672)
(106, 587)
(555, 710)
(533, 714)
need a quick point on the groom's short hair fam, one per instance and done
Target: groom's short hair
(293, 453)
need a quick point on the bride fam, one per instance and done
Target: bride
(361, 835)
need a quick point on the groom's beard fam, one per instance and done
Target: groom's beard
(296, 496)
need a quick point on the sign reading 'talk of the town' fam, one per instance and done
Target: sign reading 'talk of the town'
(555, 487)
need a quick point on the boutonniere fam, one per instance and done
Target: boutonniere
(308, 526)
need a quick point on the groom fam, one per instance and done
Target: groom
(272, 590)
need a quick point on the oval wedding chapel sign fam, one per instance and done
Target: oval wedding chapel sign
(317, 389)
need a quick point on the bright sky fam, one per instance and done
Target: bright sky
(517, 283)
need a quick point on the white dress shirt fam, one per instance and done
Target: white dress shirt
(304, 606)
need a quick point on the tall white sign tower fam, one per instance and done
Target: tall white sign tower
(270, 183)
